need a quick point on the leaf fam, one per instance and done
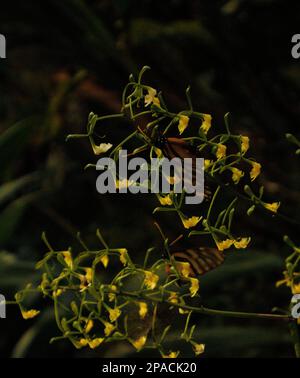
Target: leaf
(14, 139)
(25, 341)
(14, 272)
(239, 265)
(11, 215)
(10, 188)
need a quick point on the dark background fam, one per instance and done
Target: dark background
(67, 58)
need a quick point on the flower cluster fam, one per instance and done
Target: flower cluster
(90, 311)
(225, 157)
(94, 306)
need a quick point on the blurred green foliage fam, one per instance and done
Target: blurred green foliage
(67, 58)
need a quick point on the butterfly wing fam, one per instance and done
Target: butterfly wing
(176, 147)
(201, 260)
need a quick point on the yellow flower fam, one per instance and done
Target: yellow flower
(221, 151)
(150, 280)
(89, 274)
(207, 163)
(57, 293)
(139, 343)
(183, 123)
(89, 326)
(114, 313)
(173, 180)
(224, 244)
(242, 243)
(194, 288)
(102, 148)
(190, 222)
(158, 152)
(199, 349)
(182, 311)
(123, 255)
(255, 171)
(105, 260)
(236, 175)
(156, 101)
(151, 98)
(173, 298)
(85, 280)
(68, 258)
(206, 124)
(95, 343)
(166, 200)
(183, 268)
(122, 184)
(143, 309)
(30, 314)
(272, 206)
(83, 342)
(112, 296)
(108, 328)
(171, 355)
(244, 144)
(296, 288)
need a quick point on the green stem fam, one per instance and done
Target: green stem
(212, 312)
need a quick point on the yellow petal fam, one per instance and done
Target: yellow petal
(173, 298)
(199, 349)
(184, 268)
(255, 171)
(272, 206)
(244, 144)
(108, 328)
(191, 222)
(236, 175)
(83, 342)
(123, 256)
(165, 201)
(171, 355)
(183, 123)
(143, 309)
(104, 260)
(241, 243)
(89, 326)
(207, 163)
(296, 288)
(68, 258)
(206, 124)
(150, 280)
(102, 148)
(194, 288)
(221, 151)
(30, 314)
(224, 244)
(89, 274)
(114, 314)
(149, 98)
(139, 343)
(95, 343)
